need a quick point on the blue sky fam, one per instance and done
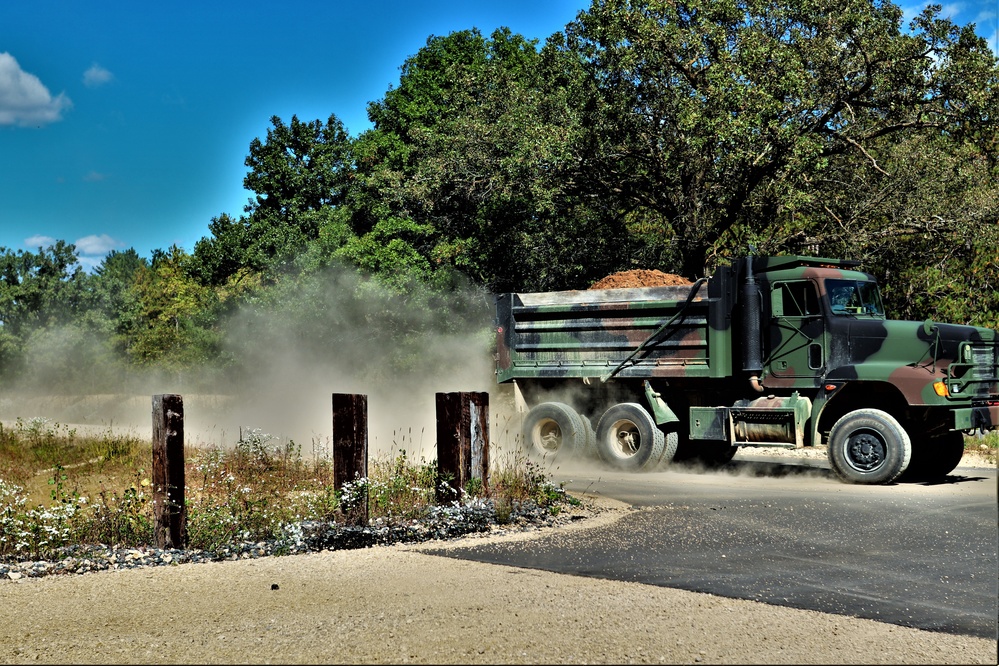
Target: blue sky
(126, 124)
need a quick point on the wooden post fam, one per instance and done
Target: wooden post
(169, 510)
(350, 449)
(462, 442)
(449, 465)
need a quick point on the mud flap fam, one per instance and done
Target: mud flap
(660, 410)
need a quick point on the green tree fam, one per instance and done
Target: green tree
(926, 221)
(176, 320)
(116, 305)
(39, 289)
(473, 149)
(40, 292)
(225, 251)
(717, 114)
(299, 174)
(299, 169)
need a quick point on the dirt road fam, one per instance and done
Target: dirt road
(398, 605)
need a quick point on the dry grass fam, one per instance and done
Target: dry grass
(58, 488)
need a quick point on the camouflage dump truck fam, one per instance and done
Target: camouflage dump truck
(783, 351)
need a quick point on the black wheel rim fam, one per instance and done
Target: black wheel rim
(866, 451)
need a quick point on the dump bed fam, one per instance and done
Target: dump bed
(637, 333)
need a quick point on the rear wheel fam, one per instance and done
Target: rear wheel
(869, 446)
(589, 450)
(671, 444)
(554, 429)
(628, 438)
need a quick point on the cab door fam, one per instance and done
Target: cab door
(797, 331)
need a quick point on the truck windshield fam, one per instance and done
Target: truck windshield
(853, 297)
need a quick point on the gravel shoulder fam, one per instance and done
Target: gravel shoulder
(397, 604)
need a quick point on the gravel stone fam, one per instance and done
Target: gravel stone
(442, 523)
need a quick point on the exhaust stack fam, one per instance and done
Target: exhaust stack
(752, 355)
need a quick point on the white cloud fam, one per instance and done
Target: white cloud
(96, 76)
(96, 245)
(88, 264)
(951, 9)
(39, 241)
(24, 100)
(983, 15)
(94, 177)
(987, 21)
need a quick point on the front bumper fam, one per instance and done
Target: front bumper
(981, 418)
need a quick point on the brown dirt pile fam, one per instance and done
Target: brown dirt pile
(639, 278)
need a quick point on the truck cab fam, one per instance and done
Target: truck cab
(828, 337)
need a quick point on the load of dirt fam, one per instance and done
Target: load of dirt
(640, 278)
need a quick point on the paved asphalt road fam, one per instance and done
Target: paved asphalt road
(912, 554)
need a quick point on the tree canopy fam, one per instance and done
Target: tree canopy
(720, 115)
(655, 134)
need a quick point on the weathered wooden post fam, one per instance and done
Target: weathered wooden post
(462, 442)
(350, 450)
(169, 510)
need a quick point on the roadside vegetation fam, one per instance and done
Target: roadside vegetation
(656, 135)
(60, 489)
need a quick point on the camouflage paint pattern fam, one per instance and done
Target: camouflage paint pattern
(590, 333)
(816, 346)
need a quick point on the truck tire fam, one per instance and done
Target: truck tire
(554, 429)
(869, 446)
(629, 439)
(589, 450)
(936, 457)
(671, 444)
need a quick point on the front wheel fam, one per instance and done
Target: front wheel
(628, 438)
(869, 446)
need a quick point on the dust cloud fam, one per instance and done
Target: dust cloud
(284, 358)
